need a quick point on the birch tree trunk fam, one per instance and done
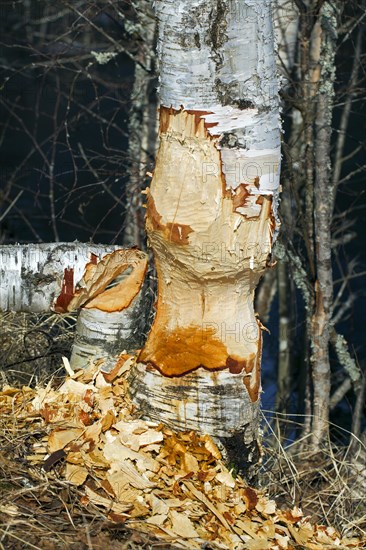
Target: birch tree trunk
(65, 277)
(211, 215)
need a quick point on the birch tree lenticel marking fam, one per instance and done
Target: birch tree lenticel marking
(211, 216)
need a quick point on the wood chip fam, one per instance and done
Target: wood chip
(207, 503)
(99, 500)
(58, 439)
(226, 478)
(182, 525)
(129, 474)
(76, 474)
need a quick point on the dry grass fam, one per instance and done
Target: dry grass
(329, 486)
(32, 346)
(52, 517)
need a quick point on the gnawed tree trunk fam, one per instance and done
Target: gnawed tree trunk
(211, 215)
(66, 277)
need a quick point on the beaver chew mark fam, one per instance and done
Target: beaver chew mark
(199, 118)
(187, 349)
(168, 113)
(67, 291)
(241, 195)
(174, 232)
(165, 114)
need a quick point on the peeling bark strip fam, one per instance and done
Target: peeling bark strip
(67, 276)
(211, 213)
(92, 292)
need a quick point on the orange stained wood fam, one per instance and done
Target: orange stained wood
(67, 292)
(184, 350)
(173, 232)
(187, 349)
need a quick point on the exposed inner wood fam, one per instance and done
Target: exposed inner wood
(120, 296)
(67, 291)
(209, 257)
(91, 292)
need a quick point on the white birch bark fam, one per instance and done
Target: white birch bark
(65, 277)
(211, 214)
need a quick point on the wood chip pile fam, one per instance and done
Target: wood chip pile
(174, 486)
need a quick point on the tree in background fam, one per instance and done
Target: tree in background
(312, 234)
